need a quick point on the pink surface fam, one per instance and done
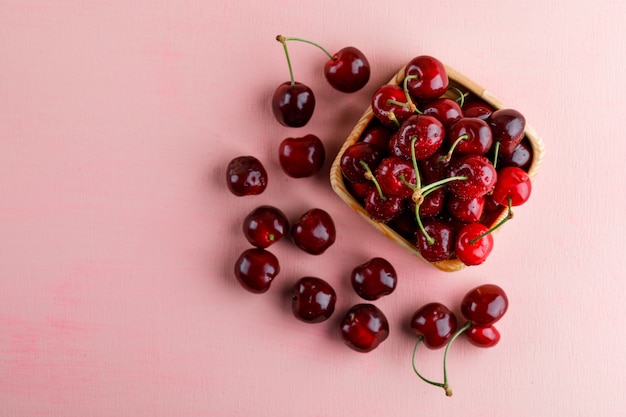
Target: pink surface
(118, 235)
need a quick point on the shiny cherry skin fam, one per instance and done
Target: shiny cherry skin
(514, 184)
(374, 279)
(246, 175)
(446, 110)
(429, 132)
(293, 104)
(265, 225)
(434, 167)
(485, 337)
(393, 173)
(355, 156)
(385, 107)
(432, 79)
(255, 269)
(313, 300)
(314, 232)
(348, 70)
(465, 209)
(479, 171)
(484, 305)
(433, 203)
(472, 252)
(435, 324)
(508, 127)
(521, 156)
(301, 157)
(478, 136)
(443, 235)
(382, 209)
(378, 135)
(364, 327)
(477, 108)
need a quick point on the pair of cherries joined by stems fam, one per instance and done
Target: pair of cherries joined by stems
(436, 325)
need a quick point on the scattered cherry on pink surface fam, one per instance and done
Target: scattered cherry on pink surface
(301, 157)
(364, 327)
(485, 337)
(293, 104)
(484, 305)
(265, 225)
(374, 279)
(255, 269)
(314, 232)
(435, 324)
(313, 300)
(246, 175)
(347, 70)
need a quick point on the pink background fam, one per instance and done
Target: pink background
(118, 234)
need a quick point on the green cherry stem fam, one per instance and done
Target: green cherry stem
(437, 384)
(282, 39)
(446, 386)
(453, 147)
(334, 58)
(495, 153)
(370, 176)
(509, 216)
(405, 87)
(462, 95)
(392, 116)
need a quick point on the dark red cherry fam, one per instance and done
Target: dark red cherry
(356, 158)
(471, 136)
(382, 208)
(255, 269)
(364, 327)
(477, 108)
(293, 104)
(378, 135)
(390, 106)
(313, 300)
(405, 225)
(446, 110)
(468, 248)
(514, 184)
(427, 130)
(245, 175)
(301, 157)
(480, 176)
(435, 323)
(484, 305)
(434, 167)
(374, 279)
(465, 209)
(314, 231)
(348, 70)
(484, 337)
(508, 127)
(264, 226)
(433, 203)
(441, 247)
(358, 189)
(520, 157)
(431, 78)
(393, 174)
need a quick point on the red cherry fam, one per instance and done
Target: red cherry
(393, 174)
(390, 105)
(428, 133)
(264, 226)
(469, 248)
(356, 158)
(435, 323)
(377, 134)
(364, 327)
(470, 135)
(314, 231)
(245, 175)
(446, 110)
(508, 127)
(301, 157)
(486, 337)
(374, 279)
(313, 300)
(440, 248)
(293, 104)
(255, 269)
(465, 209)
(431, 78)
(477, 108)
(348, 70)
(382, 209)
(432, 204)
(479, 172)
(520, 157)
(484, 305)
(514, 184)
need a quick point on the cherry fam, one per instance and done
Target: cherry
(423, 133)
(382, 208)
(390, 105)
(485, 337)
(480, 176)
(435, 324)
(293, 104)
(396, 177)
(377, 135)
(439, 246)
(255, 269)
(508, 127)
(245, 175)
(427, 77)
(470, 135)
(313, 300)
(364, 327)
(348, 70)
(520, 157)
(484, 305)
(374, 279)
(434, 167)
(513, 185)
(357, 159)
(473, 244)
(477, 108)
(264, 226)
(465, 209)
(432, 204)
(314, 231)
(446, 110)
(301, 157)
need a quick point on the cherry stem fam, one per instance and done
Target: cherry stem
(509, 216)
(392, 116)
(436, 184)
(495, 153)
(446, 386)
(437, 384)
(405, 83)
(282, 39)
(454, 145)
(370, 176)
(462, 95)
(397, 103)
(334, 58)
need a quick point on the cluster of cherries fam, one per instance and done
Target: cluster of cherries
(436, 325)
(438, 170)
